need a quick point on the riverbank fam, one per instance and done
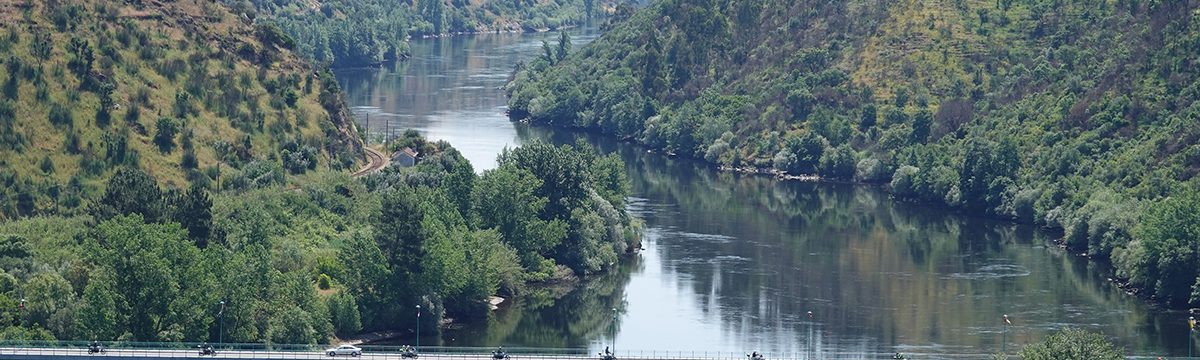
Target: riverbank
(1057, 233)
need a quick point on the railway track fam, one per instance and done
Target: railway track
(375, 161)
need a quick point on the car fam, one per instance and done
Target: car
(344, 350)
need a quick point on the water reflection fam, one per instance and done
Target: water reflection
(449, 90)
(561, 317)
(735, 263)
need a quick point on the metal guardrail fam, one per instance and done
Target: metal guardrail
(62, 349)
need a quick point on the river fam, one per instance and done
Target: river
(736, 263)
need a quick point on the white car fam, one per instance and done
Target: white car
(344, 350)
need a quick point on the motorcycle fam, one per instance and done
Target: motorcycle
(408, 353)
(207, 350)
(604, 356)
(756, 356)
(499, 355)
(899, 356)
(95, 349)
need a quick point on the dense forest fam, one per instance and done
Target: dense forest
(1073, 115)
(169, 164)
(350, 33)
(301, 259)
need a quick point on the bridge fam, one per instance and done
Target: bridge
(153, 351)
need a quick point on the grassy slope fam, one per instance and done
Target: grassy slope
(1071, 114)
(135, 48)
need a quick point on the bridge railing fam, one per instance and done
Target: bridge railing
(389, 352)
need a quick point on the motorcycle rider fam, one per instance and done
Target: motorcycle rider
(608, 355)
(206, 349)
(95, 347)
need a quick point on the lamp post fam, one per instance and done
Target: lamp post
(614, 333)
(809, 350)
(221, 328)
(418, 326)
(1004, 335)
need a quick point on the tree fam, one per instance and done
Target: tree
(921, 124)
(986, 171)
(433, 11)
(839, 163)
(291, 326)
(50, 303)
(100, 315)
(868, 117)
(82, 59)
(547, 52)
(1072, 344)
(563, 172)
(343, 313)
(194, 212)
(1166, 255)
(490, 265)
(15, 255)
(564, 46)
(801, 155)
(164, 135)
(365, 272)
(903, 181)
(130, 191)
(506, 199)
(168, 287)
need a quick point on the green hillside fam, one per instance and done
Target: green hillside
(183, 89)
(348, 33)
(1077, 115)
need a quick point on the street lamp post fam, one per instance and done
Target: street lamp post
(1004, 335)
(809, 351)
(614, 333)
(221, 328)
(418, 326)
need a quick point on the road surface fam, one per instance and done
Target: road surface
(60, 353)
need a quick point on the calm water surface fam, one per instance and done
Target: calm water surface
(736, 263)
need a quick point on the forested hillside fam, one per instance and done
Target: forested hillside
(302, 259)
(347, 33)
(1077, 115)
(185, 90)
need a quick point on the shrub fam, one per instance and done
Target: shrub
(839, 163)
(47, 165)
(1073, 344)
(871, 170)
(164, 135)
(61, 115)
(903, 181)
(323, 282)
